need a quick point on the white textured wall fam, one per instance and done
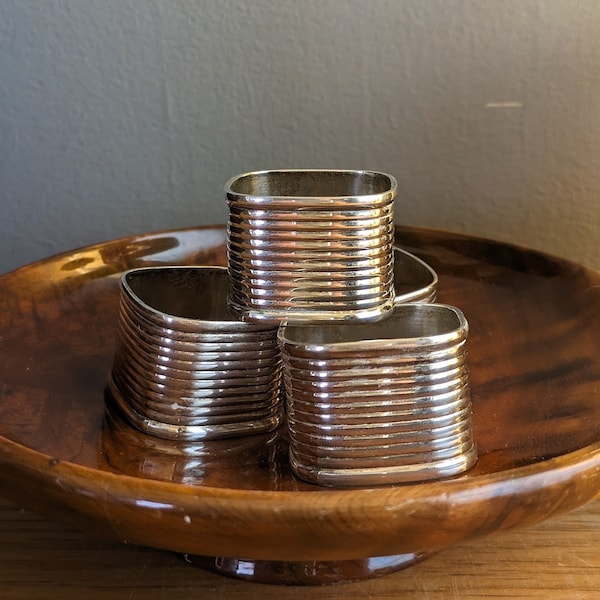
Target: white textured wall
(122, 116)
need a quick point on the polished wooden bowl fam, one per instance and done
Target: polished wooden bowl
(534, 356)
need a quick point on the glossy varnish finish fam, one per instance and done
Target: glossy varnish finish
(57, 563)
(535, 378)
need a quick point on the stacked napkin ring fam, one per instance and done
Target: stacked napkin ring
(414, 279)
(311, 244)
(383, 402)
(185, 366)
(316, 299)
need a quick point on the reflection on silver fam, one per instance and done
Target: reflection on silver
(414, 279)
(311, 244)
(381, 402)
(377, 384)
(188, 368)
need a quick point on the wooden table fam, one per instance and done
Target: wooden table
(39, 559)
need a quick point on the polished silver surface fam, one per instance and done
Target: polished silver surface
(187, 367)
(324, 447)
(312, 188)
(257, 236)
(161, 429)
(367, 443)
(379, 255)
(311, 245)
(319, 216)
(385, 474)
(379, 402)
(414, 279)
(377, 385)
(412, 327)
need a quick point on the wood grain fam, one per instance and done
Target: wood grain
(535, 376)
(558, 559)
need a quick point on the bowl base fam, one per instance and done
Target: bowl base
(305, 573)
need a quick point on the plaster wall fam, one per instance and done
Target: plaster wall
(123, 116)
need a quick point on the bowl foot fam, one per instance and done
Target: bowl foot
(308, 572)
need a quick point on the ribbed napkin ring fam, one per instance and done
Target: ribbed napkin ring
(186, 367)
(381, 402)
(311, 244)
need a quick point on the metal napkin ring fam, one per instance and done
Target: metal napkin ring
(186, 367)
(311, 244)
(381, 402)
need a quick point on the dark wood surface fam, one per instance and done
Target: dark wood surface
(535, 375)
(558, 559)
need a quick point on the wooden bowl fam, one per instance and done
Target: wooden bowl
(534, 351)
